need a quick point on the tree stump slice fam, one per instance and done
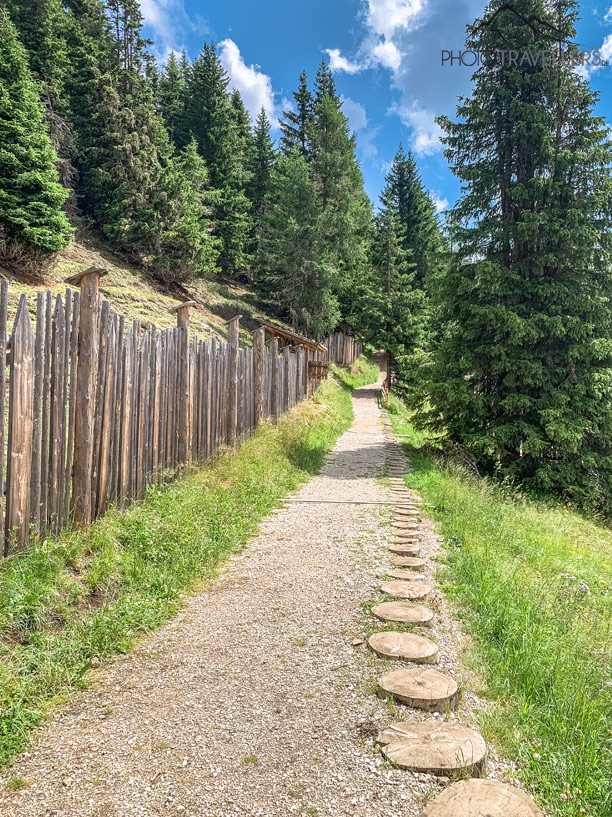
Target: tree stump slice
(402, 612)
(434, 748)
(405, 525)
(422, 689)
(405, 647)
(409, 561)
(405, 549)
(405, 539)
(482, 798)
(406, 590)
(406, 575)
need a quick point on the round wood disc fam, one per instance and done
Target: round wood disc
(404, 646)
(434, 748)
(405, 539)
(423, 689)
(406, 590)
(409, 561)
(406, 575)
(405, 549)
(482, 798)
(403, 612)
(408, 511)
(405, 524)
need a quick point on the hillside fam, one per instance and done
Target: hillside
(135, 294)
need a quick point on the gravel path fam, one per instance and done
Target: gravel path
(254, 700)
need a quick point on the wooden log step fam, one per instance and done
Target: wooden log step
(406, 590)
(406, 575)
(402, 612)
(406, 524)
(405, 647)
(405, 549)
(423, 689)
(482, 798)
(434, 748)
(409, 561)
(405, 538)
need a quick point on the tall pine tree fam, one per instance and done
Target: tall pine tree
(212, 120)
(32, 222)
(292, 257)
(262, 164)
(297, 125)
(523, 370)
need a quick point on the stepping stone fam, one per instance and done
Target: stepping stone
(423, 689)
(434, 748)
(406, 575)
(405, 549)
(402, 612)
(482, 798)
(404, 646)
(409, 561)
(405, 524)
(405, 537)
(406, 590)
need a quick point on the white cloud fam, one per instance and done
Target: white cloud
(608, 14)
(385, 16)
(387, 54)
(426, 131)
(170, 24)
(339, 63)
(440, 202)
(365, 143)
(254, 86)
(355, 113)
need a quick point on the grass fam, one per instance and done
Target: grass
(362, 372)
(533, 584)
(74, 602)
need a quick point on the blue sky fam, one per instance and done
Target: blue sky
(386, 58)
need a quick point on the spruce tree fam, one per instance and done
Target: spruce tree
(417, 215)
(343, 205)
(186, 247)
(522, 373)
(41, 28)
(213, 122)
(391, 302)
(297, 125)
(171, 98)
(32, 222)
(291, 253)
(263, 160)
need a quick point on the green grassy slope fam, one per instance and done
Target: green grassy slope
(137, 296)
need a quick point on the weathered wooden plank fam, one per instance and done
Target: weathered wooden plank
(3, 343)
(89, 282)
(106, 412)
(126, 418)
(274, 380)
(46, 420)
(72, 336)
(103, 328)
(19, 462)
(56, 454)
(233, 363)
(37, 417)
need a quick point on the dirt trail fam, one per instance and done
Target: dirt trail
(253, 700)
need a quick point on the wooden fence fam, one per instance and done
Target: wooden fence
(342, 348)
(100, 408)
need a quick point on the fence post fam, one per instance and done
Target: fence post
(259, 348)
(19, 461)
(89, 282)
(274, 403)
(286, 384)
(183, 383)
(233, 332)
